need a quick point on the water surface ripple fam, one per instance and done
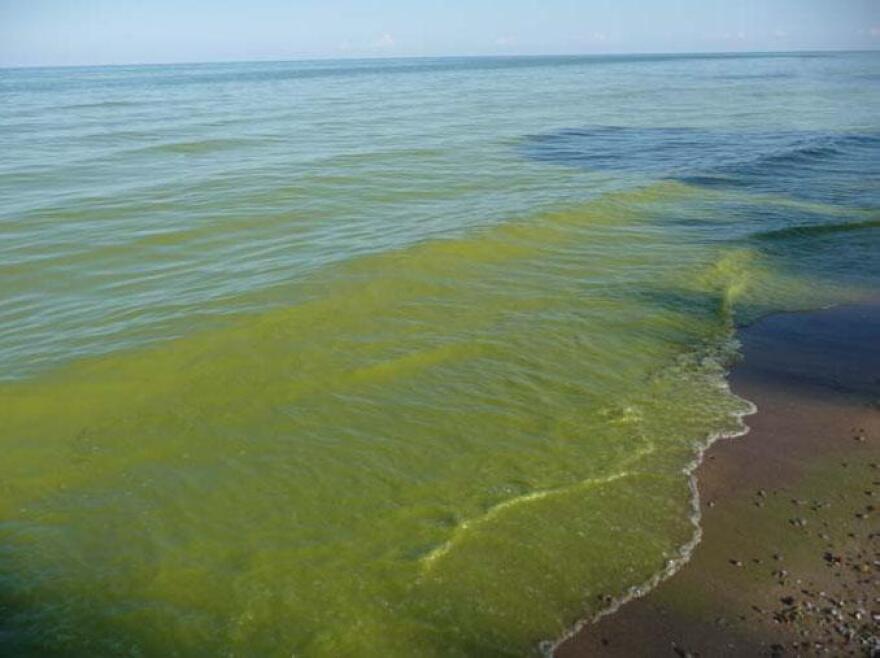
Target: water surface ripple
(392, 358)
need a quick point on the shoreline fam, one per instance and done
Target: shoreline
(790, 360)
(673, 566)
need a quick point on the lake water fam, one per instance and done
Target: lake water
(392, 357)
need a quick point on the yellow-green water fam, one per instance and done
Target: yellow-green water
(335, 370)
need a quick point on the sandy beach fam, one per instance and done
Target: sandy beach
(788, 563)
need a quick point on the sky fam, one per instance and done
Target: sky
(78, 32)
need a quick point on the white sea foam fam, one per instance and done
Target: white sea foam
(430, 559)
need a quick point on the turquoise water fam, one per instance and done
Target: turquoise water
(392, 358)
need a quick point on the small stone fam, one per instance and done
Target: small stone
(681, 653)
(830, 558)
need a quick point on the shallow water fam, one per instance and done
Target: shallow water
(391, 358)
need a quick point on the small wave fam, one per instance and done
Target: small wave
(812, 149)
(99, 105)
(707, 158)
(779, 75)
(198, 147)
(816, 230)
(719, 181)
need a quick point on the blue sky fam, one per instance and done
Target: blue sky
(61, 32)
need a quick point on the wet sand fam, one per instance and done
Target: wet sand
(789, 563)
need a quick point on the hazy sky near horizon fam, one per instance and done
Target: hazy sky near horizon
(62, 32)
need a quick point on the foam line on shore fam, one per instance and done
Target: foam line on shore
(673, 565)
(429, 559)
(441, 550)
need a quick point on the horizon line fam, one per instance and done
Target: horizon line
(343, 58)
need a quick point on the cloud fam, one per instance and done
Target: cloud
(780, 34)
(505, 41)
(875, 31)
(384, 41)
